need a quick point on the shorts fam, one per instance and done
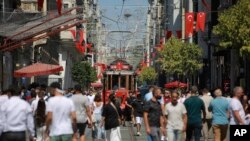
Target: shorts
(81, 128)
(138, 120)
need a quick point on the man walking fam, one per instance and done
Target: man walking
(111, 118)
(220, 109)
(207, 125)
(153, 116)
(61, 115)
(176, 115)
(194, 106)
(237, 113)
(82, 106)
(15, 118)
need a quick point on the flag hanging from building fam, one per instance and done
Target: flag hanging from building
(40, 4)
(178, 33)
(200, 23)
(59, 6)
(189, 24)
(168, 34)
(79, 40)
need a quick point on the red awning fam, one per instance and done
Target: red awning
(176, 84)
(96, 84)
(38, 69)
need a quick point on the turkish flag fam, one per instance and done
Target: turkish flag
(59, 6)
(79, 38)
(40, 4)
(178, 32)
(168, 34)
(189, 25)
(201, 19)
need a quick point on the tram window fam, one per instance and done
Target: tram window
(123, 81)
(114, 82)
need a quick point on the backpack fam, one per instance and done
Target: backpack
(40, 114)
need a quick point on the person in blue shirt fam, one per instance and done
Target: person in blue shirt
(220, 109)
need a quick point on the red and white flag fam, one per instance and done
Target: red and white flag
(79, 39)
(178, 33)
(189, 24)
(59, 6)
(40, 4)
(168, 34)
(200, 23)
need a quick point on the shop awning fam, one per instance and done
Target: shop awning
(38, 69)
(19, 34)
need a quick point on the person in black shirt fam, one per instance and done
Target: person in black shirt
(138, 112)
(153, 116)
(111, 119)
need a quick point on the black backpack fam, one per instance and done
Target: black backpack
(40, 114)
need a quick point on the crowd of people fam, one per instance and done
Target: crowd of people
(51, 114)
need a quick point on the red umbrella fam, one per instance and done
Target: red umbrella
(96, 84)
(176, 84)
(37, 69)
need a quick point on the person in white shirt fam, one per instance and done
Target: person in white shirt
(237, 113)
(4, 97)
(16, 117)
(207, 125)
(83, 113)
(61, 116)
(39, 111)
(176, 115)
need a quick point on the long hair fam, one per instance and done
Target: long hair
(40, 115)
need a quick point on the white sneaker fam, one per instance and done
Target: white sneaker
(138, 134)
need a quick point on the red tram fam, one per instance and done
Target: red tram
(119, 78)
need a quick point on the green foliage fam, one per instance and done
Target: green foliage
(148, 74)
(83, 73)
(180, 58)
(234, 27)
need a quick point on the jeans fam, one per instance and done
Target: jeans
(61, 138)
(13, 136)
(174, 134)
(155, 134)
(196, 129)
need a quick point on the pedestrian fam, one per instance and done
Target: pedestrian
(4, 97)
(237, 113)
(61, 115)
(111, 119)
(153, 116)
(167, 96)
(83, 112)
(98, 132)
(207, 125)
(16, 118)
(176, 115)
(195, 107)
(127, 114)
(39, 110)
(138, 113)
(220, 109)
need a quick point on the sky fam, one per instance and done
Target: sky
(114, 17)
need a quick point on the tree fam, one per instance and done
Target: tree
(148, 74)
(83, 73)
(180, 58)
(233, 27)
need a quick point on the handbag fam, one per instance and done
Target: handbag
(119, 119)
